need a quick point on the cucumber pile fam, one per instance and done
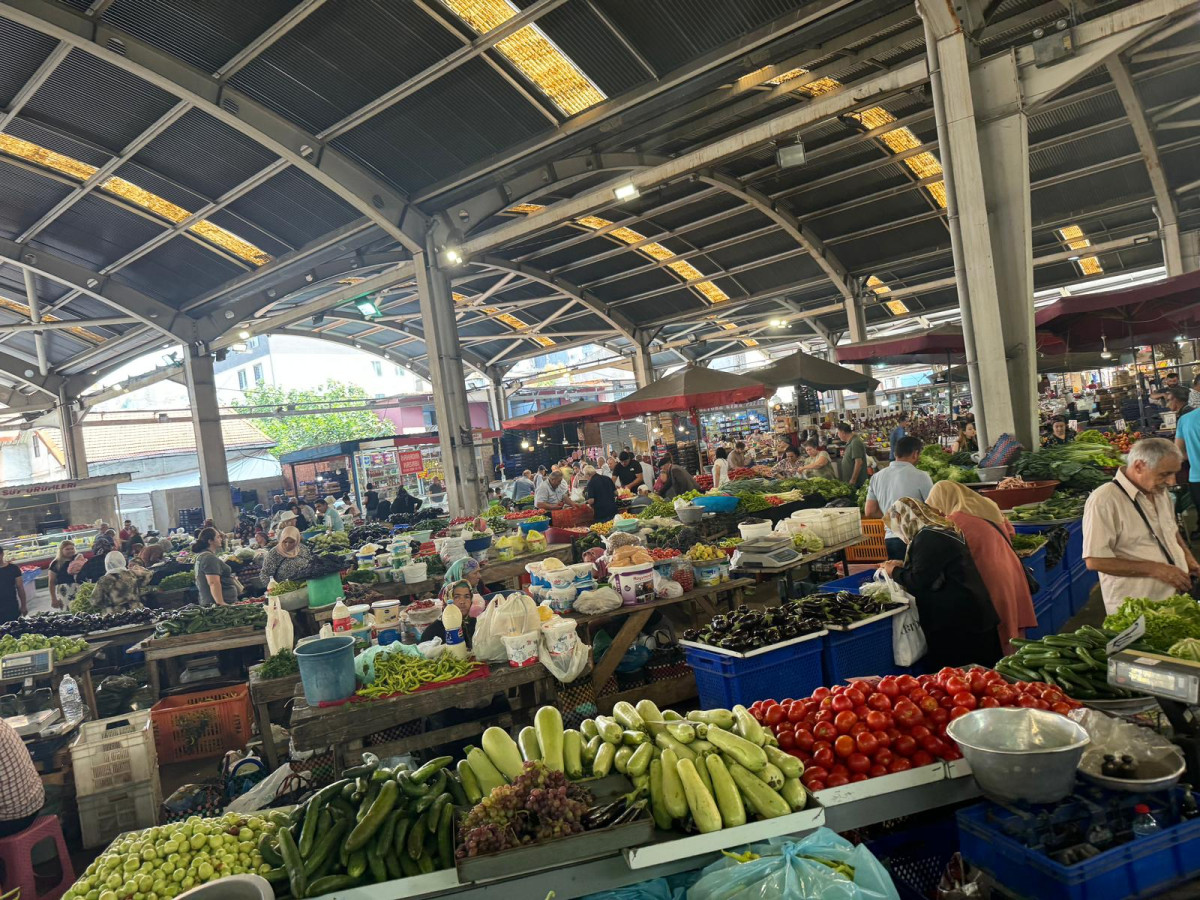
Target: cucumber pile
(372, 825)
(1075, 663)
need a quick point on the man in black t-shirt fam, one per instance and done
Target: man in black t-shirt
(12, 591)
(628, 471)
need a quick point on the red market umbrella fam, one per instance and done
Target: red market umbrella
(578, 411)
(692, 388)
(815, 373)
(939, 346)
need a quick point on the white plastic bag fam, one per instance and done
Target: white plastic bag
(666, 588)
(601, 600)
(908, 638)
(486, 645)
(567, 664)
(517, 615)
(279, 627)
(431, 649)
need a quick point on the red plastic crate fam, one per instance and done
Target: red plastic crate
(202, 725)
(572, 516)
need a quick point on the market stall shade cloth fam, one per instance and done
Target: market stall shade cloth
(1049, 364)
(693, 387)
(579, 411)
(1148, 314)
(815, 373)
(939, 346)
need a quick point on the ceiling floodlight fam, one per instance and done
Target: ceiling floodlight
(453, 256)
(524, 445)
(790, 155)
(367, 307)
(244, 334)
(1105, 353)
(627, 191)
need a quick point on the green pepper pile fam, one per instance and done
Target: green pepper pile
(196, 619)
(374, 824)
(402, 673)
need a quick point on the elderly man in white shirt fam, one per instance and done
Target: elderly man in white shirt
(1129, 532)
(552, 492)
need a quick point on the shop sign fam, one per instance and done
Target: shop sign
(412, 462)
(51, 487)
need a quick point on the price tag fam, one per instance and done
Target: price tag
(1073, 424)
(1119, 424)
(1126, 637)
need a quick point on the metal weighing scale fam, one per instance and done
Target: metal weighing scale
(21, 710)
(1176, 685)
(773, 552)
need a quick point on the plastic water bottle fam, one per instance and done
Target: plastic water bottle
(1144, 824)
(69, 699)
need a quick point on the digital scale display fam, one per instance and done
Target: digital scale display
(17, 666)
(1157, 675)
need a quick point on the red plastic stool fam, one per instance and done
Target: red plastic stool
(16, 852)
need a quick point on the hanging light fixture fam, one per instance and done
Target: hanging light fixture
(1105, 353)
(524, 445)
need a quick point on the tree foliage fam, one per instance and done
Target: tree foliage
(295, 432)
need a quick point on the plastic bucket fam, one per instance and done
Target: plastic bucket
(386, 612)
(358, 612)
(327, 669)
(324, 590)
(414, 573)
(634, 583)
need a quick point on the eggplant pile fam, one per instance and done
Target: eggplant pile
(321, 564)
(841, 608)
(370, 534)
(414, 519)
(750, 629)
(679, 537)
(65, 625)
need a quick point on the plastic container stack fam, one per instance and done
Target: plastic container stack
(116, 776)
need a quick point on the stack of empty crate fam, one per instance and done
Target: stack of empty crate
(116, 777)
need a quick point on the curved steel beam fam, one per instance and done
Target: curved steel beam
(27, 373)
(369, 195)
(470, 360)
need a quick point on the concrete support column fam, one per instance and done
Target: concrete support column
(1190, 244)
(465, 488)
(210, 442)
(497, 402)
(643, 365)
(72, 438)
(857, 321)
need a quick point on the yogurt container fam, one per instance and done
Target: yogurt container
(387, 613)
(358, 612)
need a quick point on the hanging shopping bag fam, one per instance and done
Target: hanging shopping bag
(279, 627)
(908, 638)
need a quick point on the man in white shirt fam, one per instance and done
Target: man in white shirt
(552, 492)
(1129, 531)
(647, 472)
(900, 479)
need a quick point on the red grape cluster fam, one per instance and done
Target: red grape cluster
(538, 805)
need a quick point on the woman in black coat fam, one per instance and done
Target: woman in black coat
(956, 612)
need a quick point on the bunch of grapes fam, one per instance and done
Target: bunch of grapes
(538, 805)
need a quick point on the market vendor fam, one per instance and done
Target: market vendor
(641, 500)
(601, 493)
(628, 471)
(968, 439)
(854, 456)
(552, 494)
(214, 578)
(299, 519)
(93, 569)
(819, 464)
(1059, 433)
(60, 579)
(954, 606)
(1129, 532)
(328, 517)
(21, 791)
(676, 479)
(119, 588)
(288, 559)
(460, 593)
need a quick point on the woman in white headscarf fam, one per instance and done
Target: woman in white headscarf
(119, 588)
(288, 559)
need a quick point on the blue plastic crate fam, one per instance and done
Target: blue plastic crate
(1045, 619)
(722, 681)
(1140, 868)
(1081, 584)
(866, 650)
(1036, 563)
(850, 583)
(916, 856)
(1074, 555)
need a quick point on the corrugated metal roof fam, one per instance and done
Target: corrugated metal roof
(22, 50)
(178, 270)
(103, 443)
(96, 232)
(293, 207)
(26, 197)
(255, 235)
(592, 46)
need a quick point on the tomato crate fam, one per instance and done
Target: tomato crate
(202, 725)
(861, 649)
(112, 753)
(572, 516)
(724, 678)
(990, 837)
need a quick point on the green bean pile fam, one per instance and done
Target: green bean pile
(402, 673)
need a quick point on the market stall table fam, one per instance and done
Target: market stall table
(344, 726)
(264, 691)
(169, 649)
(802, 560)
(79, 667)
(636, 617)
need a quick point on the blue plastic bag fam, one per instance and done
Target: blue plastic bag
(784, 871)
(654, 889)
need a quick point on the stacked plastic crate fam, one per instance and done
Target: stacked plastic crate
(116, 777)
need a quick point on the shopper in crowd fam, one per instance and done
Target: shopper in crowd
(819, 465)
(854, 456)
(1060, 434)
(628, 471)
(898, 432)
(737, 459)
(720, 468)
(647, 465)
(968, 439)
(676, 479)
(539, 477)
(278, 504)
(288, 559)
(1176, 399)
(601, 494)
(553, 492)
(21, 791)
(1194, 393)
(328, 517)
(386, 508)
(988, 534)
(641, 499)
(956, 612)
(301, 521)
(370, 500)
(522, 485)
(13, 603)
(119, 588)
(1169, 380)
(60, 580)
(579, 478)
(900, 479)
(152, 555)
(93, 569)
(791, 465)
(1187, 441)
(1129, 531)
(214, 578)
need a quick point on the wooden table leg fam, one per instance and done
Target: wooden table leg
(89, 691)
(624, 638)
(155, 683)
(271, 753)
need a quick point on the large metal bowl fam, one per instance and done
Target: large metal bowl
(1020, 754)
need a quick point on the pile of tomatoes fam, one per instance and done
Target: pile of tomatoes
(865, 729)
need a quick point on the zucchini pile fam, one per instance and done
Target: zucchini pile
(1075, 663)
(372, 825)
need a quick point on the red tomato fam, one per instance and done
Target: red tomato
(826, 703)
(937, 693)
(878, 720)
(841, 703)
(837, 781)
(1042, 704)
(908, 714)
(861, 776)
(756, 706)
(905, 745)
(965, 698)
(860, 728)
(957, 712)
(818, 773)
(1061, 707)
(856, 697)
(939, 716)
(884, 756)
(1027, 701)
(927, 704)
(795, 713)
(900, 764)
(815, 785)
(952, 752)
(824, 731)
(866, 743)
(933, 744)
(858, 763)
(907, 683)
(825, 715)
(922, 758)
(823, 757)
(843, 746)
(844, 721)
(817, 745)
(948, 672)
(839, 689)
(839, 769)
(820, 693)
(861, 710)
(882, 738)
(955, 685)
(989, 703)
(863, 687)
(876, 770)
(889, 687)
(774, 715)
(893, 733)
(918, 732)
(991, 676)
(880, 702)
(787, 740)
(804, 740)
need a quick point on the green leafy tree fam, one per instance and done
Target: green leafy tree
(296, 432)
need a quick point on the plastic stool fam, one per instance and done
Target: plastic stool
(16, 852)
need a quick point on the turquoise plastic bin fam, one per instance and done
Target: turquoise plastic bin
(327, 669)
(325, 590)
